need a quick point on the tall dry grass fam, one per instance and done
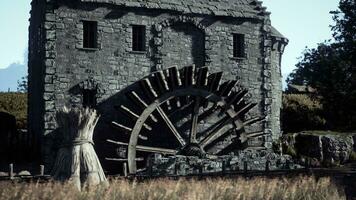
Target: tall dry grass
(214, 189)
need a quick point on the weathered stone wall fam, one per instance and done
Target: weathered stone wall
(276, 92)
(171, 39)
(247, 160)
(115, 66)
(183, 44)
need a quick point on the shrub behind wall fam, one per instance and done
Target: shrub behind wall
(301, 112)
(15, 104)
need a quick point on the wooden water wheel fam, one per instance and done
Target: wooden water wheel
(187, 112)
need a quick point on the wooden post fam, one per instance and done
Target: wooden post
(176, 168)
(201, 169)
(287, 164)
(245, 167)
(11, 171)
(124, 168)
(150, 166)
(41, 170)
(267, 165)
(224, 166)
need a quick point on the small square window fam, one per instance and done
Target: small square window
(89, 98)
(90, 34)
(238, 45)
(138, 38)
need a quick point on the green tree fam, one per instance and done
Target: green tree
(22, 85)
(330, 68)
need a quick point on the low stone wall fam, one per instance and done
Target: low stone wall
(245, 160)
(325, 149)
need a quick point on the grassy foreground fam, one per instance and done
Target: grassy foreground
(214, 189)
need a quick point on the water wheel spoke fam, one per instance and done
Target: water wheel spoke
(181, 108)
(236, 99)
(201, 117)
(226, 87)
(246, 108)
(246, 136)
(240, 97)
(235, 115)
(124, 159)
(253, 120)
(147, 148)
(216, 134)
(170, 125)
(195, 117)
(214, 129)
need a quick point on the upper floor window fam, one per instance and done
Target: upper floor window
(238, 45)
(138, 38)
(90, 29)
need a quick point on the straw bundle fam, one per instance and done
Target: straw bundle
(76, 159)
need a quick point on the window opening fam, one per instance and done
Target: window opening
(138, 38)
(89, 98)
(238, 45)
(90, 34)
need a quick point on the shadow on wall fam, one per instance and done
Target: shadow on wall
(183, 43)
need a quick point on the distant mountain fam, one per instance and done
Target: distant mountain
(10, 75)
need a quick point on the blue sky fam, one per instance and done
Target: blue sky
(303, 22)
(14, 16)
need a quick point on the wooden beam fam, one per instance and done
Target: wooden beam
(140, 102)
(174, 77)
(161, 79)
(121, 127)
(214, 81)
(133, 115)
(246, 109)
(215, 134)
(253, 120)
(126, 129)
(245, 136)
(195, 118)
(170, 125)
(147, 87)
(189, 73)
(226, 88)
(202, 79)
(147, 149)
(236, 98)
(123, 159)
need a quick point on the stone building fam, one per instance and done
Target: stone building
(84, 52)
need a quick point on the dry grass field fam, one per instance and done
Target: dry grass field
(214, 189)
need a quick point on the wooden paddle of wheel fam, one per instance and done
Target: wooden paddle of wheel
(186, 112)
